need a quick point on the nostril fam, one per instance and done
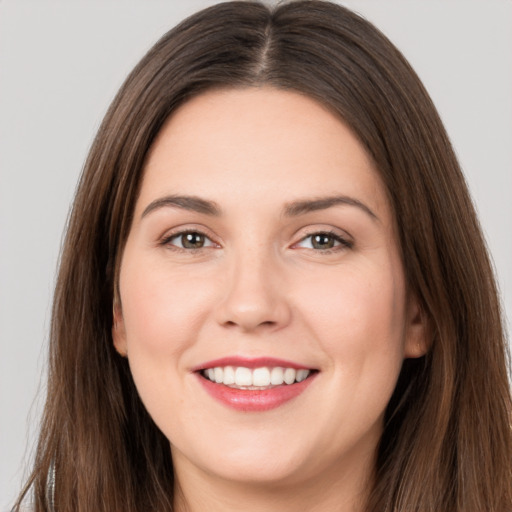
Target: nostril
(246, 326)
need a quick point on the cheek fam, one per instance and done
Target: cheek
(163, 313)
(161, 309)
(359, 321)
(358, 317)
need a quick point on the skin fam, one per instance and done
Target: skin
(259, 287)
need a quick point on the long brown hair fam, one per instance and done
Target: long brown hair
(447, 443)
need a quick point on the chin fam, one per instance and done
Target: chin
(262, 470)
(257, 459)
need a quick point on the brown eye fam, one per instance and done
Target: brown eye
(322, 241)
(189, 240)
(192, 240)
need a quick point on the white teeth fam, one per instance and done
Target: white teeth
(276, 376)
(229, 375)
(219, 375)
(263, 377)
(301, 375)
(243, 376)
(289, 375)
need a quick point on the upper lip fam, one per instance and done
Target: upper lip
(250, 362)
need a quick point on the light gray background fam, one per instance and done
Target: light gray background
(61, 63)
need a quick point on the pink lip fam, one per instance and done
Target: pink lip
(249, 362)
(253, 400)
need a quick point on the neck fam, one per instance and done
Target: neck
(340, 489)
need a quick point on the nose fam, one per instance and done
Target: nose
(254, 295)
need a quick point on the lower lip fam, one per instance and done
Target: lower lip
(254, 400)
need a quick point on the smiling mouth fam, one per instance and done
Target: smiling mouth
(259, 384)
(243, 378)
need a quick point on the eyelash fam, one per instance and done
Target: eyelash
(180, 234)
(343, 243)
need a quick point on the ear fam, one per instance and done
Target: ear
(417, 338)
(118, 329)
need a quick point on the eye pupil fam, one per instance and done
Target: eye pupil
(322, 241)
(193, 240)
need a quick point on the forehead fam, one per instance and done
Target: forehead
(241, 141)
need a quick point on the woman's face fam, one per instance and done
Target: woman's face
(263, 253)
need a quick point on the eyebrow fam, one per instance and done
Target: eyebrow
(192, 203)
(292, 209)
(301, 207)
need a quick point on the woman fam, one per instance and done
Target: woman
(274, 293)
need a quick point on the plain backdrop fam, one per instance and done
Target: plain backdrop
(61, 63)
